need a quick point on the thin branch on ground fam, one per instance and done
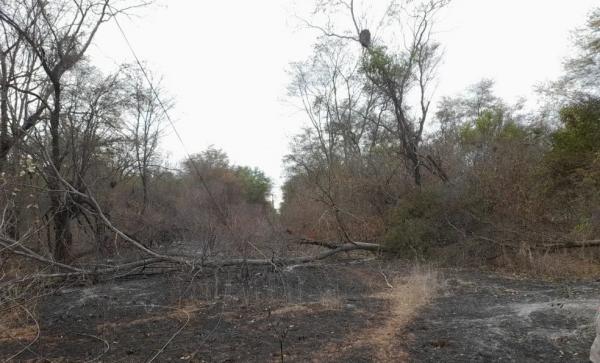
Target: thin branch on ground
(37, 334)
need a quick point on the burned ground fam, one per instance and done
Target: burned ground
(484, 317)
(339, 311)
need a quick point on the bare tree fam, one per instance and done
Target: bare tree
(58, 34)
(145, 125)
(399, 74)
(340, 110)
(23, 95)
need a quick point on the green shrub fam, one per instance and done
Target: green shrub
(572, 166)
(416, 224)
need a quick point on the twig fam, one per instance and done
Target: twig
(106, 344)
(188, 317)
(37, 335)
(386, 279)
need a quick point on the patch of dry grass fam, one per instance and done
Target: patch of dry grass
(291, 309)
(18, 303)
(557, 265)
(406, 297)
(15, 325)
(574, 263)
(329, 300)
(173, 313)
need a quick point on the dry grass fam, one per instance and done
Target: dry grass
(407, 295)
(18, 303)
(328, 300)
(291, 309)
(579, 264)
(331, 300)
(15, 325)
(558, 265)
(172, 313)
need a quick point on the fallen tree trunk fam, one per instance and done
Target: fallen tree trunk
(571, 244)
(192, 262)
(545, 246)
(198, 263)
(373, 247)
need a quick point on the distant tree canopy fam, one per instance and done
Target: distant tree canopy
(214, 166)
(583, 70)
(256, 185)
(210, 159)
(574, 157)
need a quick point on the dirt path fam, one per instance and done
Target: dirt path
(335, 312)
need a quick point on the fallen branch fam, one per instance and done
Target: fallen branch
(104, 341)
(560, 244)
(35, 339)
(545, 246)
(188, 261)
(203, 263)
(355, 246)
(374, 247)
(94, 203)
(162, 349)
(570, 244)
(17, 248)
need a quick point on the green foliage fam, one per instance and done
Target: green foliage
(574, 159)
(416, 226)
(255, 184)
(380, 65)
(490, 127)
(513, 131)
(578, 142)
(251, 184)
(583, 69)
(573, 167)
(209, 159)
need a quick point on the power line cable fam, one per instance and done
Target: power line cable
(222, 214)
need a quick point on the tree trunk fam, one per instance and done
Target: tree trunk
(416, 164)
(3, 111)
(417, 173)
(63, 238)
(144, 178)
(12, 215)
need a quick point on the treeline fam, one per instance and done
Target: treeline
(68, 128)
(81, 169)
(483, 175)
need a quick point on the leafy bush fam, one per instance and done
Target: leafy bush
(575, 155)
(416, 224)
(573, 166)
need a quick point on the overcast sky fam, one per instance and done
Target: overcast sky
(225, 63)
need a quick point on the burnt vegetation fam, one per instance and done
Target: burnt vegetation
(87, 198)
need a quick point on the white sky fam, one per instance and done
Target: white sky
(225, 62)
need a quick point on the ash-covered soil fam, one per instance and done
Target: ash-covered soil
(487, 318)
(310, 313)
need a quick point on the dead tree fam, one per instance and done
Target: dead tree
(58, 34)
(395, 74)
(146, 116)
